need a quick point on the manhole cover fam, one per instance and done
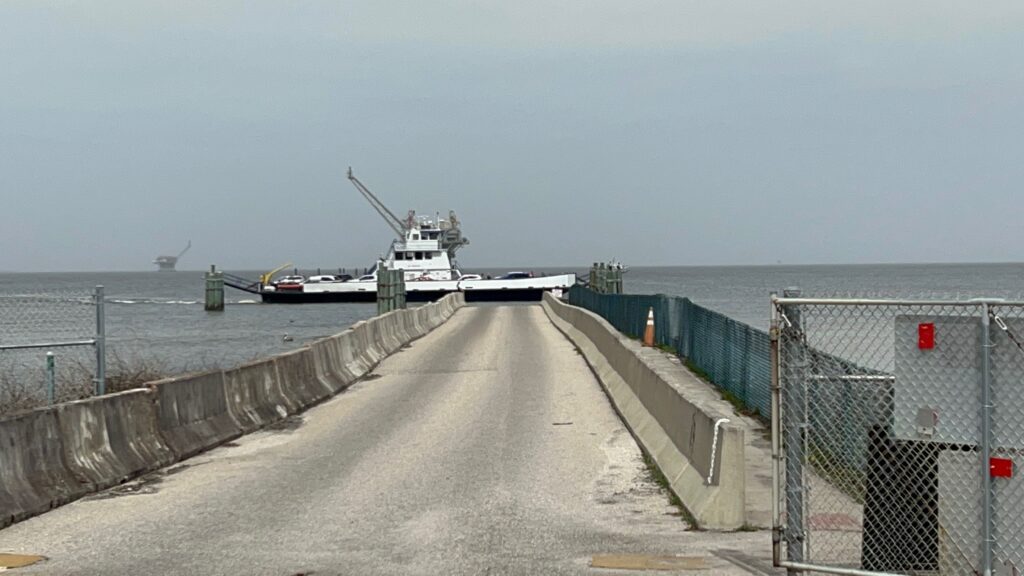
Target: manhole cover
(18, 560)
(647, 562)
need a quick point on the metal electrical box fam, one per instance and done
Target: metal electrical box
(937, 387)
(937, 398)
(937, 390)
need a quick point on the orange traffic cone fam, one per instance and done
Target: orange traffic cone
(649, 331)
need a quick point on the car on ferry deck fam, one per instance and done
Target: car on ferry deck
(325, 278)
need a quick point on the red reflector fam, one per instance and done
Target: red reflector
(926, 336)
(1000, 467)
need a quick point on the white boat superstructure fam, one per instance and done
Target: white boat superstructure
(427, 250)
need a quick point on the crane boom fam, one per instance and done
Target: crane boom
(266, 278)
(182, 253)
(397, 225)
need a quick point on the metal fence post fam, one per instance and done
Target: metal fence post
(986, 441)
(795, 421)
(773, 337)
(51, 381)
(101, 343)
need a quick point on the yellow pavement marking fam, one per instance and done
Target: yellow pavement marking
(18, 560)
(647, 562)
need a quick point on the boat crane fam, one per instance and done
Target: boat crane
(447, 232)
(266, 278)
(397, 225)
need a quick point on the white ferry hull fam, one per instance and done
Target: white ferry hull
(519, 289)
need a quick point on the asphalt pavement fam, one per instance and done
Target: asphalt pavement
(486, 447)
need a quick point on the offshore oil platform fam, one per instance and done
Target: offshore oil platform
(167, 263)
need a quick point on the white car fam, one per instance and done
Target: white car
(323, 278)
(290, 280)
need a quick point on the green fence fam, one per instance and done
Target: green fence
(734, 356)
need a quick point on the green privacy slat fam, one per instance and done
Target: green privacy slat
(734, 356)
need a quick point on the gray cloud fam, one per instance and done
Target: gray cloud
(660, 132)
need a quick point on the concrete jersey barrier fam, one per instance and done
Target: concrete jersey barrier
(298, 377)
(327, 361)
(692, 442)
(113, 438)
(192, 413)
(254, 395)
(33, 474)
(53, 455)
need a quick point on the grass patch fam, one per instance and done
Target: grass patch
(697, 371)
(22, 385)
(655, 475)
(666, 348)
(126, 373)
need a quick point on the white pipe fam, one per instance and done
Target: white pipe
(714, 447)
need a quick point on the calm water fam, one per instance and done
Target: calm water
(153, 315)
(160, 315)
(742, 291)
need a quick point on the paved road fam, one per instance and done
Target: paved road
(486, 447)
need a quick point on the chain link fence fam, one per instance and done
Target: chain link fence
(896, 423)
(52, 347)
(731, 355)
(897, 429)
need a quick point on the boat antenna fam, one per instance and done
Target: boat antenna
(397, 225)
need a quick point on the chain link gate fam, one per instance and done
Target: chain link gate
(896, 429)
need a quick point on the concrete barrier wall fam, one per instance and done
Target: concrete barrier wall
(700, 453)
(355, 363)
(54, 455)
(33, 475)
(254, 395)
(192, 413)
(298, 377)
(326, 360)
(110, 439)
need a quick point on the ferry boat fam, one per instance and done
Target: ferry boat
(425, 249)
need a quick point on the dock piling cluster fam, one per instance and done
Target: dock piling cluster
(390, 290)
(606, 278)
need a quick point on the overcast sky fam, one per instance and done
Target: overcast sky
(668, 132)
